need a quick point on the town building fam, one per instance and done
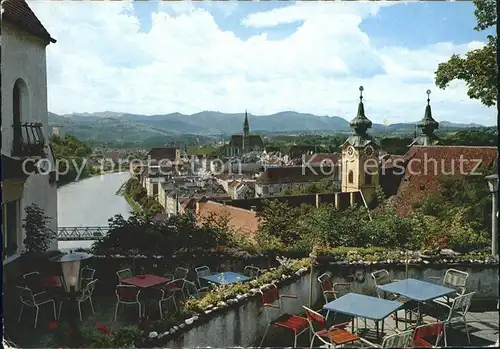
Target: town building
(25, 129)
(164, 154)
(274, 180)
(243, 143)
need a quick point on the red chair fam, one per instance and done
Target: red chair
(425, 331)
(271, 300)
(127, 295)
(334, 335)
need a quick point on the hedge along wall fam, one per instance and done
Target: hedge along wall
(243, 324)
(107, 266)
(483, 278)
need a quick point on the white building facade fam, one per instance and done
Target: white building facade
(26, 155)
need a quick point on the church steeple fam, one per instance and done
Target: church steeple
(427, 127)
(246, 127)
(360, 124)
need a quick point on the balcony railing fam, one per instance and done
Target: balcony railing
(28, 140)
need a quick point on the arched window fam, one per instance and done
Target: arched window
(350, 177)
(20, 104)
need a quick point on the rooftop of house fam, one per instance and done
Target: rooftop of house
(163, 153)
(244, 221)
(291, 174)
(424, 165)
(19, 14)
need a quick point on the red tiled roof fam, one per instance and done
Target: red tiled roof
(296, 174)
(163, 153)
(244, 221)
(424, 165)
(19, 14)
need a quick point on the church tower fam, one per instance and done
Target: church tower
(360, 157)
(427, 127)
(246, 131)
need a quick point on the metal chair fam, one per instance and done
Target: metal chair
(426, 331)
(127, 295)
(86, 276)
(124, 274)
(191, 291)
(180, 274)
(168, 292)
(332, 291)
(336, 334)
(457, 314)
(29, 299)
(455, 279)
(200, 272)
(84, 295)
(252, 272)
(382, 277)
(271, 299)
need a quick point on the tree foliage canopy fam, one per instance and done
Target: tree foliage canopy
(478, 68)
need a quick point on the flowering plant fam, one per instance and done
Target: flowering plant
(435, 244)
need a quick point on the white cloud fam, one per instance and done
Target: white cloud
(186, 63)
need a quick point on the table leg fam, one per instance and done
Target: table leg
(377, 331)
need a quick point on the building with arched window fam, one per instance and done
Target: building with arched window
(28, 164)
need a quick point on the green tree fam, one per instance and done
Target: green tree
(479, 67)
(38, 233)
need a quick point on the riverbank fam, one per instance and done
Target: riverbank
(137, 197)
(85, 175)
(136, 207)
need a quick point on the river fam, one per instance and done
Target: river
(90, 202)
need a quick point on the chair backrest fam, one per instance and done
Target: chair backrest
(127, 293)
(460, 306)
(174, 284)
(26, 296)
(456, 279)
(181, 273)
(340, 289)
(32, 280)
(325, 281)
(251, 271)
(270, 296)
(426, 331)
(124, 274)
(316, 320)
(90, 287)
(380, 277)
(398, 340)
(200, 272)
(191, 290)
(87, 273)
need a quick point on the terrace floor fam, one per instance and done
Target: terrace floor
(483, 330)
(483, 321)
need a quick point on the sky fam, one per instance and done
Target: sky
(150, 57)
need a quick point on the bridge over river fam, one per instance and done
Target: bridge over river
(84, 207)
(81, 233)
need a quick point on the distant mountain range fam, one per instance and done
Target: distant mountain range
(124, 127)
